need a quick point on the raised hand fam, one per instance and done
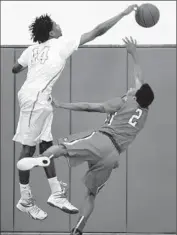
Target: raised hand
(130, 45)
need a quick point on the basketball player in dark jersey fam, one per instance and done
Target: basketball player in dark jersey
(101, 148)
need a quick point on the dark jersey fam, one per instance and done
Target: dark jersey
(125, 123)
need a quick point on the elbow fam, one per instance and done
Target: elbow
(14, 70)
(103, 109)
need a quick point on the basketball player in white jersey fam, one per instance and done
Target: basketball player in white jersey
(45, 61)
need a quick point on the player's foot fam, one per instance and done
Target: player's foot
(77, 232)
(60, 201)
(29, 206)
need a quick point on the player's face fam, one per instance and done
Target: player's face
(56, 31)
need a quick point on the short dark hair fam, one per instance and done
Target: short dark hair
(40, 28)
(144, 96)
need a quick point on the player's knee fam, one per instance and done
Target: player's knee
(91, 194)
(27, 151)
(111, 163)
(44, 145)
(56, 150)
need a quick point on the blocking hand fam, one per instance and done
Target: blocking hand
(131, 8)
(130, 45)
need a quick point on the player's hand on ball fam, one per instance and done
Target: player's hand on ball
(130, 9)
(130, 45)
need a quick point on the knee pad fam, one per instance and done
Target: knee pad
(44, 145)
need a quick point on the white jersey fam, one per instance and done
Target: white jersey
(45, 63)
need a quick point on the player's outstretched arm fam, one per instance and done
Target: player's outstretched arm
(131, 49)
(105, 26)
(83, 106)
(109, 106)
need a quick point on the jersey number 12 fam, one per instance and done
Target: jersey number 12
(132, 121)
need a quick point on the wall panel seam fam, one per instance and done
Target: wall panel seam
(0, 144)
(104, 46)
(14, 82)
(126, 152)
(70, 130)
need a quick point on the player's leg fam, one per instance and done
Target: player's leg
(46, 138)
(55, 150)
(26, 202)
(85, 212)
(28, 130)
(74, 148)
(58, 189)
(50, 170)
(27, 151)
(96, 177)
(95, 180)
(88, 146)
(43, 160)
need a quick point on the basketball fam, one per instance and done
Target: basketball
(147, 15)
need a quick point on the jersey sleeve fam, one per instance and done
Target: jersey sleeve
(69, 45)
(24, 58)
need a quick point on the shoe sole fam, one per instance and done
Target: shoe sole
(21, 209)
(64, 209)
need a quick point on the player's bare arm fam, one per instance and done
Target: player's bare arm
(105, 26)
(131, 49)
(109, 106)
(17, 68)
(83, 106)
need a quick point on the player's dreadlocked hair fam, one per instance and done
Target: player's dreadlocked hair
(40, 28)
(144, 96)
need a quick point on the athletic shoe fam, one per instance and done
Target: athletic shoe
(77, 232)
(60, 201)
(29, 206)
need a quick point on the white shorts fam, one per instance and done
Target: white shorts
(35, 121)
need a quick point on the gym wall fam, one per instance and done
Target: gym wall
(140, 196)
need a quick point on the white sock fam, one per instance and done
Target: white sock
(54, 185)
(25, 191)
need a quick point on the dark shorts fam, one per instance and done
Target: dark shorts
(100, 153)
